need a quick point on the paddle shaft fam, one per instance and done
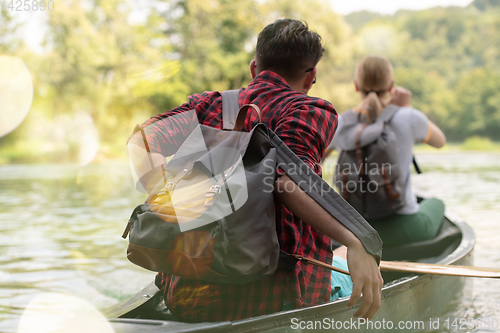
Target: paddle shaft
(420, 268)
(436, 269)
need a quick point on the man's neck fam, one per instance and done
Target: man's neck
(297, 85)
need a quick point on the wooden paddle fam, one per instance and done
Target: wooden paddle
(436, 269)
(420, 268)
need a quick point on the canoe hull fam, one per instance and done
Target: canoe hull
(409, 301)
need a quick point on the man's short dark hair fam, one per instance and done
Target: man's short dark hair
(288, 48)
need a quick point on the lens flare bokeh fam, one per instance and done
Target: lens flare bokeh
(16, 93)
(51, 312)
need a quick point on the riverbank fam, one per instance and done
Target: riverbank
(21, 152)
(472, 144)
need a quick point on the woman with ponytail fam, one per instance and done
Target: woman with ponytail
(374, 81)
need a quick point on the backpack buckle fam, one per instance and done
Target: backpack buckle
(210, 195)
(215, 189)
(170, 186)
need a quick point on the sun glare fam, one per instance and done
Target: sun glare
(54, 312)
(16, 93)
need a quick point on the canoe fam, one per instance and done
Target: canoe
(410, 302)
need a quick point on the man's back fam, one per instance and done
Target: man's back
(305, 124)
(286, 47)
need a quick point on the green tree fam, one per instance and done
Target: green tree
(9, 41)
(358, 19)
(95, 59)
(478, 97)
(484, 5)
(213, 44)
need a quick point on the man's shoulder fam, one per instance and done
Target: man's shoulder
(204, 97)
(324, 104)
(303, 101)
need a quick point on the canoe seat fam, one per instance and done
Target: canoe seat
(447, 239)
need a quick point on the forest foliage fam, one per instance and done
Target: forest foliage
(101, 67)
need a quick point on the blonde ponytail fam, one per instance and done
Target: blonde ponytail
(373, 77)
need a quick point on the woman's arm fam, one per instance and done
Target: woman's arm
(435, 137)
(402, 97)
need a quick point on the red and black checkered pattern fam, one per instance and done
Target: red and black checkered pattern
(307, 126)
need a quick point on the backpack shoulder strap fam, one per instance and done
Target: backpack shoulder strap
(388, 113)
(230, 108)
(345, 136)
(349, 118)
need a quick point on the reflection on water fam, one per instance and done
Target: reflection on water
(60, 228)
(470, 185)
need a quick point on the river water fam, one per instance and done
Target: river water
(60, 228)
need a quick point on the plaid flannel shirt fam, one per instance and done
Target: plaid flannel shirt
(307, 126)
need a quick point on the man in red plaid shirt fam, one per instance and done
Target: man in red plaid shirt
(283, 71)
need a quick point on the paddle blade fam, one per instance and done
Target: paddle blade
(435, 269)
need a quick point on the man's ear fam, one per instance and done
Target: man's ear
(356, 86)
(253, 68)
(308, 82)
